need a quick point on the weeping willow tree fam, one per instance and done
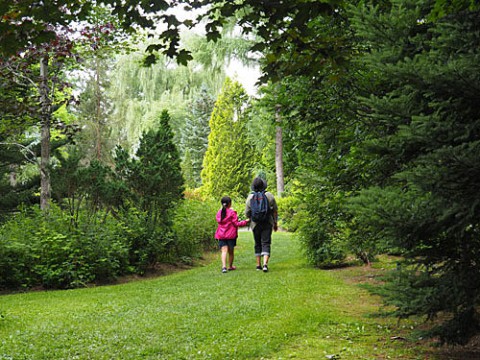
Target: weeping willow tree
(140, 92)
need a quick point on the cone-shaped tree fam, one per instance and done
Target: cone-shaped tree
(228, 161)
(195, 136)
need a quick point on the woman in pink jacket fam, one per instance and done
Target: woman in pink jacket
(227, 232)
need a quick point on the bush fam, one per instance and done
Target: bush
(46, 250)
(292, 212)
(54, 251)
(147, 244)
(324, 240)
(323, 250)
(194, 227)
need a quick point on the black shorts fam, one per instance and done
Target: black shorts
(231, 243)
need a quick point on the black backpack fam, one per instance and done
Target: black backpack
(259, 207)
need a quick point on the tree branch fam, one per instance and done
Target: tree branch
(26, 149)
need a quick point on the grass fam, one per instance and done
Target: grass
(294, 311)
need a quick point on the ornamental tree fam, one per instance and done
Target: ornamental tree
(228, 161)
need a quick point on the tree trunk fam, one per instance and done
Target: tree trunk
(45, 136)
(279, 152)
(98, 104)
(13, 175)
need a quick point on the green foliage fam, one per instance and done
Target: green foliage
(322, 247)
(91, 187)
(292, 212)
(189, 173)
(228, 161)
(44, 250)
(194, 227)
(147, 246)
(322, 225)
(13, 189)
(261, 136)
(194, 139)
(139, 92)
(154, 176)
(99, 43)
(155, 186)
(443, 7)
(82, 242)
(19, 175)
(424, 142)
(319, 140)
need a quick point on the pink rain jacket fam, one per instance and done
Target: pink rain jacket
(228, 227)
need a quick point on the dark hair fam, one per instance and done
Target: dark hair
(259, 184)
(225, 202)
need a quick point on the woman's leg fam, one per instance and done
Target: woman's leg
(257, 236)
(266, 239)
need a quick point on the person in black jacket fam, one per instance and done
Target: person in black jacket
(262, 231)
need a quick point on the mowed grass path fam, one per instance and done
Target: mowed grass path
(294, 311)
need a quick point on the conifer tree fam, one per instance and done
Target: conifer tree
(425, 142)
(195, 136)
(187, 170)
(154, 176)
(161, 177)
(227, 165)
(154, 186)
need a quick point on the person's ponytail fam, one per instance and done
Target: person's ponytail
(225, 202)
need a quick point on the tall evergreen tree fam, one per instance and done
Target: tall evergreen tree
(195, 135)
(425, 142)
(228, 162)
(154, 186)
(154, 176)
(98, 44)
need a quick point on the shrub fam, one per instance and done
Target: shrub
(194, 227)
(322, 249)
(147, 244)
(292, 212)
(324, 241)
(54, 251)
(45, 250)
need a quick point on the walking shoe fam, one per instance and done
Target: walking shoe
(265, 268)
(259, 267)
(231, 268)
(224, 270)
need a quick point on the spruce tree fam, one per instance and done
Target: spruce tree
(195, 136)
(425, 142)
(227, 165)
(153, 176)
(159, 179)
(188, 171)
(12, 191)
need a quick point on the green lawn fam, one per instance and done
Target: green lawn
(294, 311)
